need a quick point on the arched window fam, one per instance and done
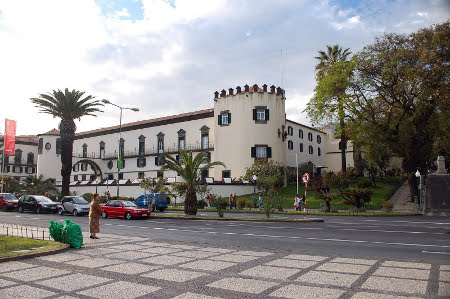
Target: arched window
(160, 142)
(290, 130)
(30, 159)
(182, 139)
(310, 136)
(311, 150)
(102, 150)
(300, 133)
(319, 139)
(204, 137)
(290, 145)
(18, 156)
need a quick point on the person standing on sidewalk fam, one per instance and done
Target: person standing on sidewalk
(297, 204)
(234, 201)
(231, 201)
(94, 217)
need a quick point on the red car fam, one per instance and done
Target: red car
(8, 201)
(123, 209)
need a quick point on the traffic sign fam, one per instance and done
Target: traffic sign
(305, 178)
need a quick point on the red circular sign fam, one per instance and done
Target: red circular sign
(305, 178)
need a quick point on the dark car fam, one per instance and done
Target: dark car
(8, 201)
(36, 203)
(123, 209)
(76, 205)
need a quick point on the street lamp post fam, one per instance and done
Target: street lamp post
(254, 184)
(119, 157)
(419, 177)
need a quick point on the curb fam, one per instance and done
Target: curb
(38, 254)
(240, 219)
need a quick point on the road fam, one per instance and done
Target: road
(407, 238)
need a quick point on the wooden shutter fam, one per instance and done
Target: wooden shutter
(254, 114)
(269, 152)
(253, 152)
(267, 114)
(219, 119)
(229, 117)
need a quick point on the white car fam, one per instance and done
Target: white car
(75, 205)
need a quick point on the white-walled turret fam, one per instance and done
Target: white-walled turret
(49, 156)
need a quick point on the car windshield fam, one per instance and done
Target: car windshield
(42, 199)
(9, 196)
(129, 204)
(80, 200)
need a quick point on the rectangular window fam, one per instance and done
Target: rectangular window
(141, 147)
(75, 177)
(319, 152)
(290, 145)
(58, 146)
(83, 177)
(300, 134)
(181, 142)
(311, 150)
(160, 145)
(261, 152)
(120, 176)
(141, 162)
(159, 174)
(205, 140)
(260, 114)
(40, 145)
(301, 147)
(226, 174)
(84, 150)
(140, 175)
(110, 177)
(102, 151)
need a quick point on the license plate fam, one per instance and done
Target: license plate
(144, 214)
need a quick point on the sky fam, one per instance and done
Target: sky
(168, 57)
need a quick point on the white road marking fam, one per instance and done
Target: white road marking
(404, 221)
(435, 252)
(390, 231)
(294, 237)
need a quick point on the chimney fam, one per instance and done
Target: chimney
(216, 95)
(279, 91)
(223, 93)
(246, 88)
(238, 89)
(272, 89)
(230, 91)
(255, 88)
(264, 87)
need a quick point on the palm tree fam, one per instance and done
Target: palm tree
(190, 170)
(326, 60)
(68, 106)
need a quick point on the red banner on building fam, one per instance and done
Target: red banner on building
(10, 136)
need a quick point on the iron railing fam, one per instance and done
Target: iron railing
(25, 231)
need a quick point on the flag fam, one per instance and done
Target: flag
(10, 136)
(119, 161)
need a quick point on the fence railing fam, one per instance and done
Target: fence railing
(25, 231)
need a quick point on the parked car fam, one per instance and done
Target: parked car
(154, 201)
(76, 205)
(8, 201)
(123, 209)
(36, 203)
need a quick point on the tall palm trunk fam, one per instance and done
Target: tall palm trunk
(67, 129)
(190, 204)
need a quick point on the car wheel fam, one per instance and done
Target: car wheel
(161, 209)
(60, 211)
(104, 215)
(75, 213)
(38, 210)
(20, 210)
(128, 216)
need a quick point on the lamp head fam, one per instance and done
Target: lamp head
(417, 173)
(254, 177)
(106, 101)
(134, 109)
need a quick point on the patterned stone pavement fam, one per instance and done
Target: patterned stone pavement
(130, 267)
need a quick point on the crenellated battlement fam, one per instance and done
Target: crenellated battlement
(255, 88)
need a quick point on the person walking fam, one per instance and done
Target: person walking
(297, 204)
(94, 217)
(231, 201)
(210, 200)
(260, 201)
(234, 201)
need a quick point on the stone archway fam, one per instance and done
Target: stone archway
(94, 166)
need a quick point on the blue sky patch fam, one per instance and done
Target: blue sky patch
(113, 7)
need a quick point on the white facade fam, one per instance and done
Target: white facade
(24, 162)
(245, 125)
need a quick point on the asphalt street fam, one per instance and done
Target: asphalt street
(408, 238)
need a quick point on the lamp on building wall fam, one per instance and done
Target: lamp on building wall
(119, 156)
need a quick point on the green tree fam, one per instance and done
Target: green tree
(36, 185)
(190, 170)
(329, 101)
(68, 106)
(400, 91)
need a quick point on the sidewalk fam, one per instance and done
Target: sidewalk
(134, 267)
(402, 200)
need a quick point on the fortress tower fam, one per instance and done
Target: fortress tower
(49, 155)
(249, 124)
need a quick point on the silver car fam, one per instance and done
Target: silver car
(75, 205)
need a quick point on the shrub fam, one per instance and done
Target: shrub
(201, 204)
(358, 196)
(221, 204)
(241, 202)
(249, 203)
(365, 184)
(268, 206)
(387, 205)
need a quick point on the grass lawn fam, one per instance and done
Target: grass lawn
(288, 194)
(13, 246)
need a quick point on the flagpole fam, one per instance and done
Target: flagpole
(3, 155)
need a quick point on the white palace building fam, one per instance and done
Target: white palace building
(245, 124)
